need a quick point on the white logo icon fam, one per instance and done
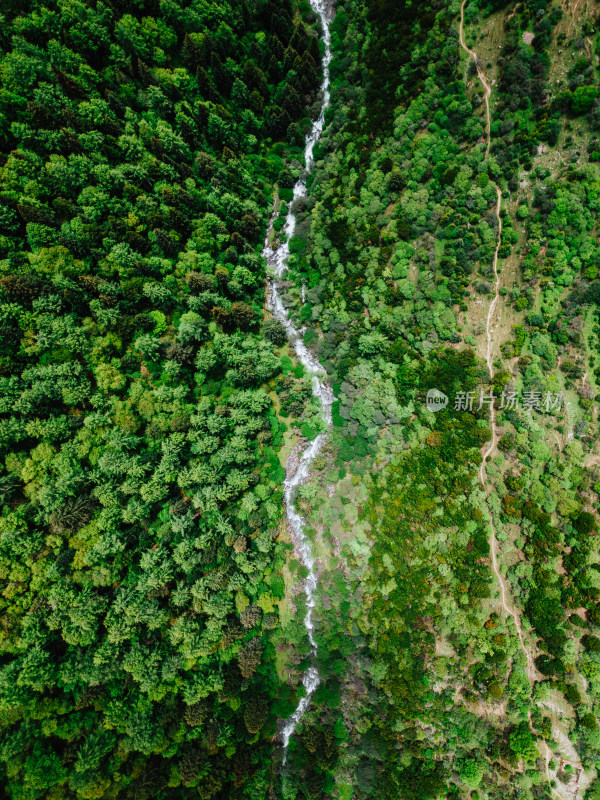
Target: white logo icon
(436, 400)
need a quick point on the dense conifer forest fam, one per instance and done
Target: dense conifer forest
(141, 485)
(153, 636)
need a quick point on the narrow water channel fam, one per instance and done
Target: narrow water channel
(277, 260)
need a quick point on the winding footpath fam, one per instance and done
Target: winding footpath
(487, 86)
(509, 607)
(277, 261)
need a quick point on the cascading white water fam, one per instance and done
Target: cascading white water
(277, 260)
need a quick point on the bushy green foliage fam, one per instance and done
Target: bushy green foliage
(417, 563)
(399, 234)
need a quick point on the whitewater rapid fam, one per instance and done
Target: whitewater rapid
(277, 261)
